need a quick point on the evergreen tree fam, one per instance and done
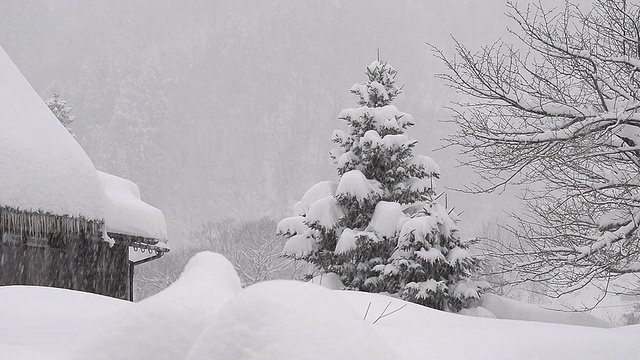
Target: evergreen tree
(60, 109)
(379, 227)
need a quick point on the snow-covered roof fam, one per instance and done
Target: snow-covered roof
(126, 213)
(44, 172)
(42, 167)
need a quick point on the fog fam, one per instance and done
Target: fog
(224, 109)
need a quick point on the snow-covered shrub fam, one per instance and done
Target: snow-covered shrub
(632, 317)
(379, 227)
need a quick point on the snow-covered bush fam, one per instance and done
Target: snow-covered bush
(632, 317)
(379, 227)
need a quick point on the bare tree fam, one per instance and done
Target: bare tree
(558, 113)
(252, 247)
(493, 241)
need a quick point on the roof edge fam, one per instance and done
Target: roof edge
(42, 224)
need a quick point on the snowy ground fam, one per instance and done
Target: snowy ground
(206, 315)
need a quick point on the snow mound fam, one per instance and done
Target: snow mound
(166, 325)
(504, 308)
(478, 311)
(126, 213)
(330, 281)
(42, 166)
(38, 322)
(72, 307)
(405, 326)
(199, 317)
(289, 320)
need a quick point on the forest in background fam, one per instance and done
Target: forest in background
(224, 109)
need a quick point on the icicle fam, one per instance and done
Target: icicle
(42, 225)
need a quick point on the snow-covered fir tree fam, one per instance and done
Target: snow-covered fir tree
(379, 227)
(60, 109)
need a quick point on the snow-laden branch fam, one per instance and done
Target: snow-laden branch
(559, 113)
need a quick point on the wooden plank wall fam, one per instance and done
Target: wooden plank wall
(75, 264)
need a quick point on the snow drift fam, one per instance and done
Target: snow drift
(165, 326)
(206, 315)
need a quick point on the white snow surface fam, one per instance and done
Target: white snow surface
(126, 213)
(329, 280)
(504, 308)
(386, 219)
(299, 245)
(315, 193)
(206, 315)
(426, 163)
(354, 184)
(457, 255)
(432, 255)
(346, 241)
(372, 137)
(419, 185)
(164, 326)
(395, 141)
(346, 158)
(418, 227)
(293, 225)
(325, 211)
(38, 322)
(42, 166)
(289, 320)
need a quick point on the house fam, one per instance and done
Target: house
(63, 223)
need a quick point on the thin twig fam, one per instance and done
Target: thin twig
(383, 314)
(367, 312)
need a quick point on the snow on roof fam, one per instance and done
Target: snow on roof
(42, 168)
(126, 213)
